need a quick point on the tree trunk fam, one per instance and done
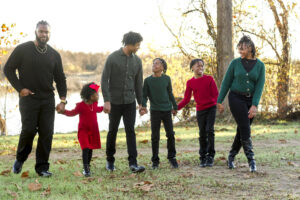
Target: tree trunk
(224, 40)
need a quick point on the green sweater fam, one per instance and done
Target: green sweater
(159, 92)
(238, 79)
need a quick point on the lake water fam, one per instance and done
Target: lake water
(63, 124)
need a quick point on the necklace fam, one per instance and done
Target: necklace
(91, 109)
(40, 50)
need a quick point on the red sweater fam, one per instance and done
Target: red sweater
(204, 90)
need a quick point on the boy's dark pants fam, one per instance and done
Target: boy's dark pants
(37, 116)
(206, 121)
(128, 111)
(156, 118)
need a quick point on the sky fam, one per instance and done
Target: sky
(98, 25)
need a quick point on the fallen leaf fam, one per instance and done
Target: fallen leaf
(47, 192)
(144, 141)
(60, 162)
(144, 186)
(34, 187)
(178, 139)
(291, 164)
(221, 158)
(78, 174)
(99, 180)
(282, 141)
(25, 174)
(296, 131)
(5, 172)
(186, 175)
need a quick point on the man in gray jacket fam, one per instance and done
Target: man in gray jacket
(122, 82)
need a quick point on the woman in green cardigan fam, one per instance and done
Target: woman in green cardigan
(245, 78)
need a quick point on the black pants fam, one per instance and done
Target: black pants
(239, 107)
(87, 156)
(156, 118)
(128, 111)
(37, 116)
(206, 120)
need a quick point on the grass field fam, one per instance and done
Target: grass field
(277, 149)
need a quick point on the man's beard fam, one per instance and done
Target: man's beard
(41, 43)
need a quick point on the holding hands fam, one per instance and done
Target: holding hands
(220, 108)
(143, 110)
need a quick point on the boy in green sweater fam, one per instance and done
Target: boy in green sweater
(158, 89)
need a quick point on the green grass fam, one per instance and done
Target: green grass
(277, 150)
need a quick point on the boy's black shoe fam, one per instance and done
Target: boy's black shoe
(44, 174)
(110, 166)
(209, 161)
(173, 163)
(136, 169)
(17, 167)
(230, 162)
(202, 162)
(252, 166)
(155, 165)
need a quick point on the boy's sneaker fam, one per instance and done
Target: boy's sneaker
(155, 165)
(209, 161)
(110, 166)
(17, 167)
(202, 162)
(136, 169)
(173, 163)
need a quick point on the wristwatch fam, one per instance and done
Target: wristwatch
(63, 101)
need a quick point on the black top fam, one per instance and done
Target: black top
(36, 71)
(248, 64)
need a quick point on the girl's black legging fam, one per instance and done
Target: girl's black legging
(239, 107)
(87, 155)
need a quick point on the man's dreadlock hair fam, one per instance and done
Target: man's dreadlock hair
(42, 22)
(248, 42)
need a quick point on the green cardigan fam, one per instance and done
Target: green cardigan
(238, 79)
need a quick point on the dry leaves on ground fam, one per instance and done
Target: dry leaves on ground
(144, 186)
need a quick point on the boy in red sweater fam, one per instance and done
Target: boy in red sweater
(205, 94)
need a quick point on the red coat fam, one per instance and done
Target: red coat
(88, 131)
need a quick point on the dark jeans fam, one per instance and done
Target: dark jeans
(128, 111)
(206, 120)
(239, 107)
(37, 116)
(156, 118)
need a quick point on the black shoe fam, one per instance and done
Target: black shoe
(230, 162)
(155, 165)
(86, 170)
(17, 167)
(44, 174)
(203, 162)
(173, 163)
(252, 166)
(110, 166)
(209, 161)
(136, 169)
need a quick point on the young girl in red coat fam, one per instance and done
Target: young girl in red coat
(88, 131)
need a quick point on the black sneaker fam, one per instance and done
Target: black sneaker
(209, 161)
(203, 162)
(230, 162)
(136, 169)
(252, 166)
(173, 163)
(155, 165)
(44, 174)
(110, 166)
(17, 167)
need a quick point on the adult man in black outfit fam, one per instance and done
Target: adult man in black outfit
(122, 82)
(38, 65)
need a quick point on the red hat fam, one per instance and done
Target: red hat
(94, 87)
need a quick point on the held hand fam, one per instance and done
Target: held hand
(143, 110)
(220, 108)
(252, 112)
(174, 112)
(25, 92)
(107, 107)
(60, 108)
